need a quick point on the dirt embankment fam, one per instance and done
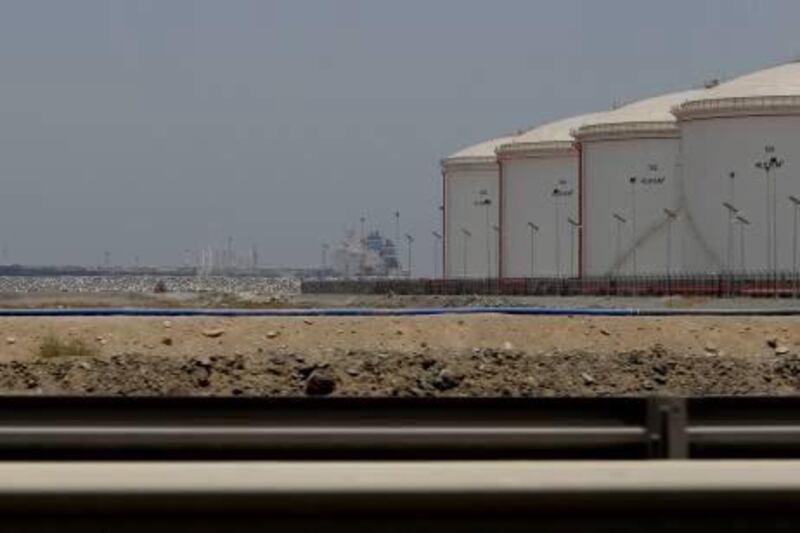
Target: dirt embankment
(486, 373)
(408, 356)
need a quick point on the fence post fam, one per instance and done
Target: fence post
(667, 428)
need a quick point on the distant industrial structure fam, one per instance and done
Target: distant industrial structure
(369, 256)
(698, 181)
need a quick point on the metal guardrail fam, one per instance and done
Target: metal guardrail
(584, 496)
(426, 496)
(280, 464)
(106, 428)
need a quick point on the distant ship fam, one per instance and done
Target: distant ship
(375, 256)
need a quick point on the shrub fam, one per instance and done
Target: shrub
(52, 346)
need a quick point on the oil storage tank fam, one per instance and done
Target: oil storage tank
(631, 194)
(540, 218)
(740, 146)
(471, 210)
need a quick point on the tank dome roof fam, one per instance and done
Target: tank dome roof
(547, 139)
(480, 154)
(775, 90)
(648, 117)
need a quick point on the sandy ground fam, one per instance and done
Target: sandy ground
(461, 355)
(189, 336)
(484, 355)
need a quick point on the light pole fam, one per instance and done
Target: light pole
(229, 253)
(558, 233)
(410, 240)
(743, 222)
(397, 228)
(442, 232)
(795, 204)
(558, 193)
(496, 230)
(437, 240)
(732, 212)
(486, 202)
(467, 234)
(632, 180)
(621, 220)
(768, 164)
(534, 230)
(325, 248)
(573, 227)
(363, 262)
(671, 216)
(397, 240)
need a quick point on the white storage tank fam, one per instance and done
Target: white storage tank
(540, 218)
(741, 142)
(631, 190)
(471, 207)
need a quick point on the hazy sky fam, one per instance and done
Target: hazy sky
(149, 127)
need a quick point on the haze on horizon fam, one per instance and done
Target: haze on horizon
(146, 127)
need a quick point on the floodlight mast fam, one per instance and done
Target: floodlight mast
(534, 230)
(410, 241)
(496, 247)
(574, 226)
(795, 205)
(467, 235)
(621, 220)
(559, 192)
(743, 222)
(768, 164)
(485, 201)
(671, 217)
(325, 248)
(732, 212)
(633, 180)
(437, 243)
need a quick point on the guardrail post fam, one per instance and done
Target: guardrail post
(667, 421)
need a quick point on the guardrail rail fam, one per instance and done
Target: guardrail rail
(206, 428)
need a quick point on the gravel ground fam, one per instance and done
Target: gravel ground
(402, 301)
(228, 291)
(147, 284)
(479, 355)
